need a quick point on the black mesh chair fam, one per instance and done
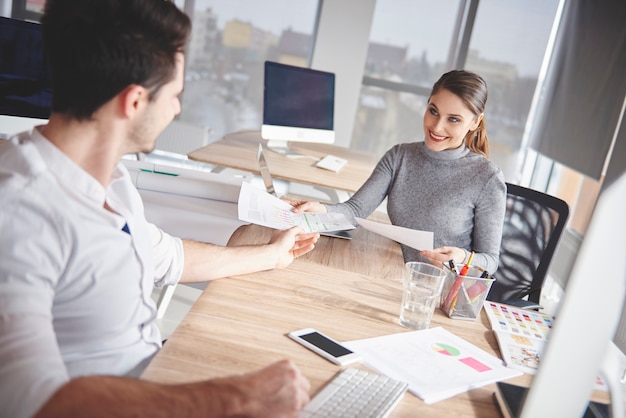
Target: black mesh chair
(533, 225)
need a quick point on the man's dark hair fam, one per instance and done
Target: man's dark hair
(97, 48)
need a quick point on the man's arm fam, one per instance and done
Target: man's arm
(279, 390)
(207, 261)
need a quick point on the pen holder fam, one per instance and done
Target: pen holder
(462, 297)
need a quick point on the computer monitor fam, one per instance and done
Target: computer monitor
(298, 106)
(25, 86)
(587, 318)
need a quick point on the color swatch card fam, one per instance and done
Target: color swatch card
(521, 334)
(519, 321)
(434, 362)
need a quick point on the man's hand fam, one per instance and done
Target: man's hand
(292, 243)
(279, 390)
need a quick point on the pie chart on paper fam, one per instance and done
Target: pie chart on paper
(446, 349)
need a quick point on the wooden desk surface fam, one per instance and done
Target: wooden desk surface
(239, 151)
(239, 324)
(367, 253)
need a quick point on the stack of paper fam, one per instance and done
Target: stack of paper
(434, 362)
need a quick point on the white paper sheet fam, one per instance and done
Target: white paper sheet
(420, 240)
(261, 208)
(434, 362)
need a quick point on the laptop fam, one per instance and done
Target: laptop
(268, 181)
(265, 171)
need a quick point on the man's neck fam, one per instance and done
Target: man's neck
(91, 144)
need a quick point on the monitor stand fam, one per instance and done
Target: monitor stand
(282, 147)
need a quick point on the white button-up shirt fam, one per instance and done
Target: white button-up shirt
(75, 289)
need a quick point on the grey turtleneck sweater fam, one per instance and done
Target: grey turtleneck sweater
(458, 194)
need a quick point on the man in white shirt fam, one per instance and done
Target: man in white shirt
(78, 260)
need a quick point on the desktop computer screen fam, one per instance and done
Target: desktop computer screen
(587, 318)
(298, 106)
(25, 87)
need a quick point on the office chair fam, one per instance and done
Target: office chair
(533, 225)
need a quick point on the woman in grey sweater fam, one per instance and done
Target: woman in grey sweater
(444, 184)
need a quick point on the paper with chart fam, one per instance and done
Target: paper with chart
(420, 240)
(434, 362)
(261, 208)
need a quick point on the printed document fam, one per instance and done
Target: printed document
(434, 362)
(259, 207)
(420, 240)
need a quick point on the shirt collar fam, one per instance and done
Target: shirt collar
(66, 171)
(446, 155)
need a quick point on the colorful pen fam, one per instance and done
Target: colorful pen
(466, 267)
(450, 300)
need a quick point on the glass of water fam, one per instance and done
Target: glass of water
(422, 283)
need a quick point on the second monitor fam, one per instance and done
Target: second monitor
(298, 106)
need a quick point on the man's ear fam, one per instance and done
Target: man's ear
(132, 100)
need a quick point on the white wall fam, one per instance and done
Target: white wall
(341, 47)
(10, 125)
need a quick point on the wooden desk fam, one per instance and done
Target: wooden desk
(239, 151)
(239, 324)
(367, 253)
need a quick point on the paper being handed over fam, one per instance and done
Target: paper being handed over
(420, 240)
(261, 208)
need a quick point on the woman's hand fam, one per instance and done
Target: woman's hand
(441, 255)
(308, 206)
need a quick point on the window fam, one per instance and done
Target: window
(507, 48)
(26, 9)
(229, 43)
(35, 5)
(413, 42)
(408, 50)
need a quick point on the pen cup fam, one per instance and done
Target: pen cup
(462, 297)
(421, 285)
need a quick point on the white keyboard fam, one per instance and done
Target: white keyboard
(356, 393)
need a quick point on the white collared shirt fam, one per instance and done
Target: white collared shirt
(75, 289)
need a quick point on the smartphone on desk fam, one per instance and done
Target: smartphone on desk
(325, 346)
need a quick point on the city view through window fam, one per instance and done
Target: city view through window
(410, 44)
(507, 46)
(229, 44)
